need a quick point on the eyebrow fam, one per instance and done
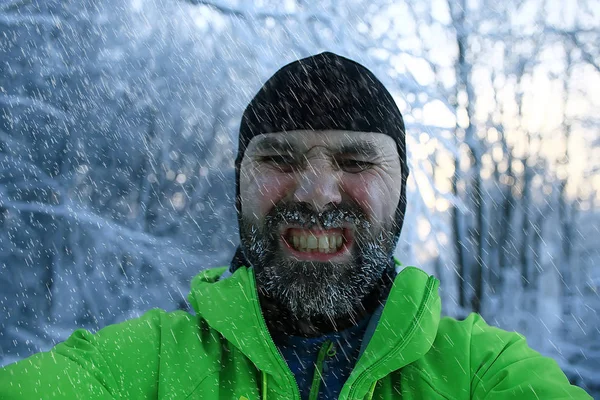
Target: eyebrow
(366, 148)
(272, 143)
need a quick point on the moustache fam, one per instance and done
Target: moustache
(303, 215)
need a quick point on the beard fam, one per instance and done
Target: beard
(310, 290)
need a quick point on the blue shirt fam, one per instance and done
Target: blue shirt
(301, 355)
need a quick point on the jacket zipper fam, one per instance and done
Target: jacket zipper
(400, 347)
(324, 351)
(287, 371)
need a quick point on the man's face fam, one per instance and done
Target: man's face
(318, 216)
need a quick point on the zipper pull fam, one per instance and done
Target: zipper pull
(320, 368)
(331, 352)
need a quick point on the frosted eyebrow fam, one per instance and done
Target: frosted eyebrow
(274, 144)
(365, 149)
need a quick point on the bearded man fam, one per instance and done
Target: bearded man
(313, 305)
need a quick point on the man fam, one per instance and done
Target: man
(313, 304)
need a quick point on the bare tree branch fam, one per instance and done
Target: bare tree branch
(19, 19)
(572, 36)
(243, 13)
(24, 101)
(12, 5)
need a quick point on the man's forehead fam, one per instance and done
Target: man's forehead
(334, 139)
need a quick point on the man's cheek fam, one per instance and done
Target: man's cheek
(270, 190)
(361, 193)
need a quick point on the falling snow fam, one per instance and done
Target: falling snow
(118, 132)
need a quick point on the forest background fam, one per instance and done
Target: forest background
(118, 129)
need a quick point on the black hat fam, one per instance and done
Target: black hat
(322, 92)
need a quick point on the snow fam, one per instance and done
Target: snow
(118, 130)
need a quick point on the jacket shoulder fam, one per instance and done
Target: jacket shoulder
(472, 359)
(119, 361)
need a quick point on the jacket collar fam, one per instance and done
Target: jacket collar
(404, 332)
(231, 307)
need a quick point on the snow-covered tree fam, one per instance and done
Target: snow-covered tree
(118, 129)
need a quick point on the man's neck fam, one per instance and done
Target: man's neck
(282, 322)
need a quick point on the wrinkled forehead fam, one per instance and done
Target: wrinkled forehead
(333, 140)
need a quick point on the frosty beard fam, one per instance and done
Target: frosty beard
(311, 290)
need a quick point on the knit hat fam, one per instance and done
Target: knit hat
(322, 92)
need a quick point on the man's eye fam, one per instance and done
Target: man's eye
(354, 166)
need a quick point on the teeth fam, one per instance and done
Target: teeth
(311, 242)
(322, 243)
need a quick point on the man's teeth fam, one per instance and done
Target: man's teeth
(321, 243)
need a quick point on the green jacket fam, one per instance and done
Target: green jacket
(225, 352)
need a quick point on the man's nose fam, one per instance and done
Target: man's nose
(318, 185)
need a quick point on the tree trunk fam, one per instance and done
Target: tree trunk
(564, 206)
(459, 242)
(464, 85)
